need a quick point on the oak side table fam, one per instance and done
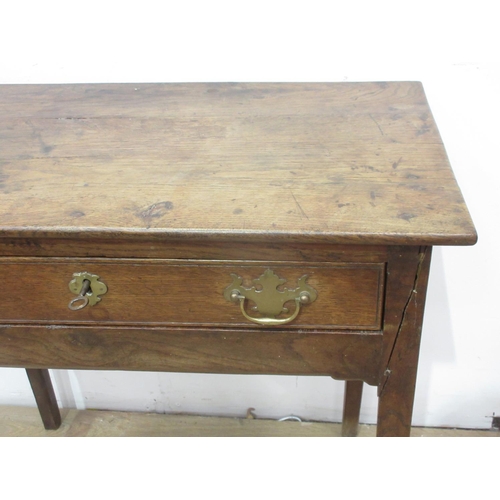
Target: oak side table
(223, 228)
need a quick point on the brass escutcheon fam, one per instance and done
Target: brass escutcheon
(269, 301)
(88, 288)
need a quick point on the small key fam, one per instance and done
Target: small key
(81, 298)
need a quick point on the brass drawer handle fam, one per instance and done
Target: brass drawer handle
(88, 288)
(269, 301)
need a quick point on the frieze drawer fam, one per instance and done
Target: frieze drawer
(192, 293)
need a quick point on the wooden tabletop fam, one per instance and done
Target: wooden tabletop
(340, 162)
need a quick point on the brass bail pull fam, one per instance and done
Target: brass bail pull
(82, 300)
(270, 297)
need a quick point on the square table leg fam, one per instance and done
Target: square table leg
(352, 405)
(396, 389)
(45, 397)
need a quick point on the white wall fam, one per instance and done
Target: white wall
(452, 47)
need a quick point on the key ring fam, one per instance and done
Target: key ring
(72, 305)
(82, 297)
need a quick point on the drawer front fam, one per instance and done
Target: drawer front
(189, 293)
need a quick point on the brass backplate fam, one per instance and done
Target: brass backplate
(268, 300)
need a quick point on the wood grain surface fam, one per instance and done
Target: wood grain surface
(408, 274)
(343, 162)
(344, 356)
(180, 292)
(164, 190)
